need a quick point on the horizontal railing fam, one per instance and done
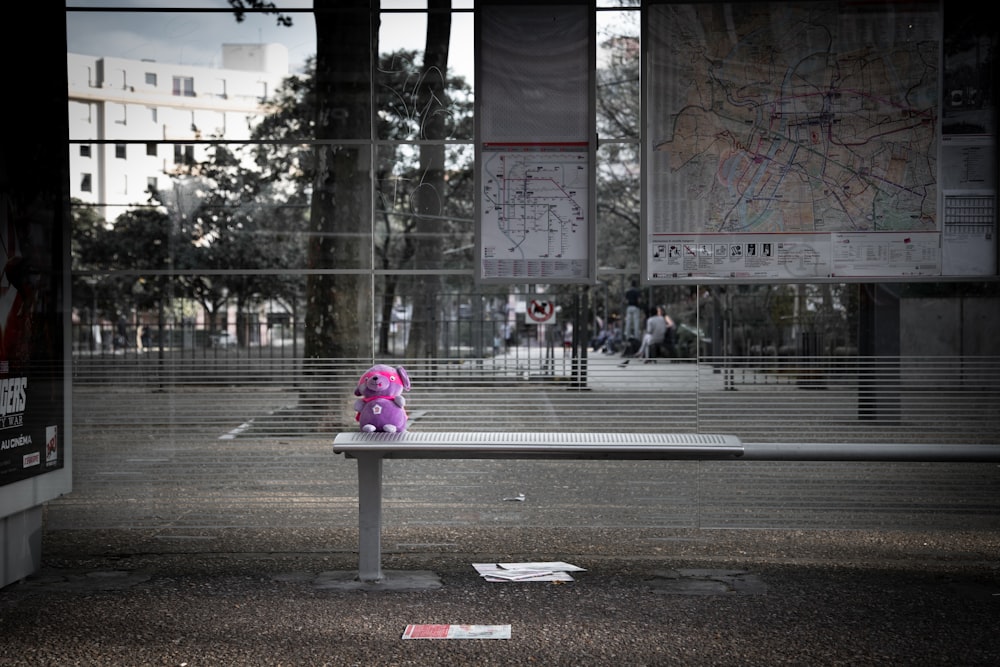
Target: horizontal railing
(793, 399)
(182, 453)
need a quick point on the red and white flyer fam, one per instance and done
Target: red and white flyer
(431, 631)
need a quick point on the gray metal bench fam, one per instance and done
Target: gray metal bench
(370, 449)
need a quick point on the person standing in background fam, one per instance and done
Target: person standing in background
(633, 313)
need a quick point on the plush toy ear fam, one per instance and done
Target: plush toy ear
(359, 389)
(403, 377)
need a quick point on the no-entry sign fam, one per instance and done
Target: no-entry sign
(540, 312)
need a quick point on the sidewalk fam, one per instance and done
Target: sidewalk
(647, 597)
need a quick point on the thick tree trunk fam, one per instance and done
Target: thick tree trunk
(337, 324)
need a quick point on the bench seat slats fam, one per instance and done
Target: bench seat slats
(539, 444)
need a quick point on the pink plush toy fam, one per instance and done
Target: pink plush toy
(380, 407)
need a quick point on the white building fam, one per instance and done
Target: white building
(133, 123)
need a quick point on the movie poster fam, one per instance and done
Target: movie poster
(31, 367)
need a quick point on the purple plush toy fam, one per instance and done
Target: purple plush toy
(380, 407)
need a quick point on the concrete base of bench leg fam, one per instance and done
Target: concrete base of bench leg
(392, 580)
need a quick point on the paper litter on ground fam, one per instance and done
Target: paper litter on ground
(433, 631)
(541, 571)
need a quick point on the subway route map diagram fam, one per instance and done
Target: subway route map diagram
(534, 213)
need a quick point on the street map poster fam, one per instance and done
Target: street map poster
(801, 142)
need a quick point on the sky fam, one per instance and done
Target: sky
(190, 38)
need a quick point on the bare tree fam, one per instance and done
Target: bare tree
(427, 202)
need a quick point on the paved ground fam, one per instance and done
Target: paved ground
(181, 548)
(647, 597)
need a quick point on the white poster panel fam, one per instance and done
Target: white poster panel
(969, 215)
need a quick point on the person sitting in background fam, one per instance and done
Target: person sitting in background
(670, 338)
(656, 332)
(609, 337)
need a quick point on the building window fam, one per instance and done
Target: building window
(152, 114)
(183, 154)
(86, 113)
(120, 152)
(184, 86)
(151, 184)
(85, 185)
(151, 149)
(84, 150)
(151, 79)
(220, 125)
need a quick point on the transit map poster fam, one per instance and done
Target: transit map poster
(801, 142)
(535, 143)
(31, 368)
(535, 212)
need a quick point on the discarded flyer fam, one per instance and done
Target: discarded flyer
(518, 575)
(542, 571)
(432, 631)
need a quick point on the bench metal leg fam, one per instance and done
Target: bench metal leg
(370, 517)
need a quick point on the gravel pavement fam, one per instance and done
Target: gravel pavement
(180, 547)
(647, 597)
